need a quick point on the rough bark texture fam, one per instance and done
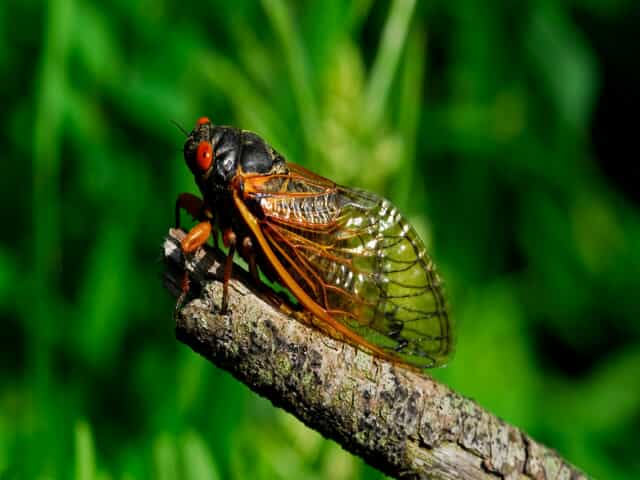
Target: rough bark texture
(401, 422)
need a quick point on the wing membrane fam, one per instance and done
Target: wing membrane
(359, 260)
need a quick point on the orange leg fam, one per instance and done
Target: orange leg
(196, 237)
(190, 203)
(250, 255)
(229, 240)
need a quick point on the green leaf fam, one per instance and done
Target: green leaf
(387, 59)
(85, 465)
(197, 461)
(165, 457)
(566, 65)
(296, 60)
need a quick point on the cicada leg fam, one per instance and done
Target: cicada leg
(192, 204)
(184, 290)
(229, 240)
(248, 252)
(249, 255)
(196, 237)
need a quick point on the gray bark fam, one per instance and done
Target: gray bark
(403, 423)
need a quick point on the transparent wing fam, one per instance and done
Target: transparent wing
(355, 255)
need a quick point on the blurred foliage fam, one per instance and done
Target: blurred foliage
(493, 125)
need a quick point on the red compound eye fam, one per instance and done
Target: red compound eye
(202, 121)
(204, 155)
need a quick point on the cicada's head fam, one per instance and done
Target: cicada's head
(216, 154)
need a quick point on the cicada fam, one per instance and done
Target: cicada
(347, 255)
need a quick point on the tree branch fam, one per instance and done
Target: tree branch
(401, 422)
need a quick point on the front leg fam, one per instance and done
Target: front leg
(198, 211)
(192, 204)
(196, 237)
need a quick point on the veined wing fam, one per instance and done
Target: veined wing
(359, 260)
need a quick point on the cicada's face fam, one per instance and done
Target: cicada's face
(216, 154)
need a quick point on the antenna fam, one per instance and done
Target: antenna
(180, 127)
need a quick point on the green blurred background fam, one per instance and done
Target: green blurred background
(498, 127)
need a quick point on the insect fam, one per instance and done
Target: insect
(347, 255)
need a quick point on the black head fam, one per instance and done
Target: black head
(203, 154)
(215, 154)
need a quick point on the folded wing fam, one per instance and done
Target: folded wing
(354, 254)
